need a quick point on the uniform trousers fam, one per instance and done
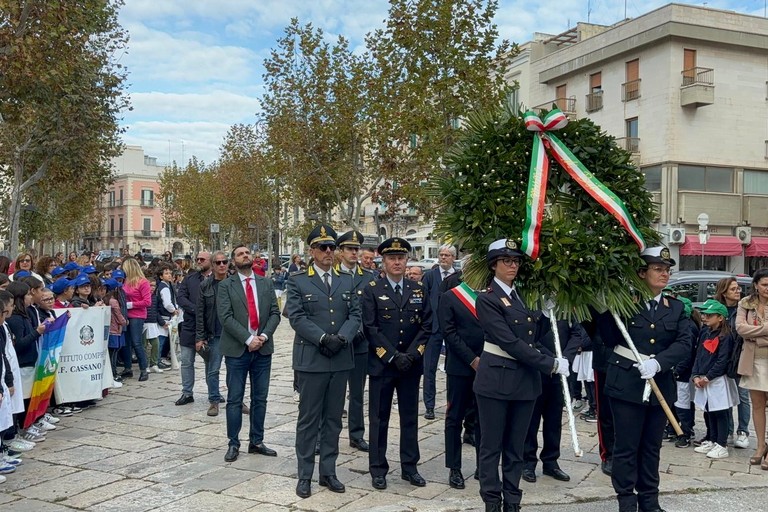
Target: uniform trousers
(356, 392)
(549, 409)
(640, 428)
(461, 399)
(321, 403)
(381, 391)
(504, 424)
(606, 434)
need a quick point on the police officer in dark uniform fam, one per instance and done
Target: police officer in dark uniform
(397, 322)
(324, 312)
(508, 377)
(349, 249)
(463, 345)
(661, 335)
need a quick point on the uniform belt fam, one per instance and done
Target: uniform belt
(625, 352)
(495, 350)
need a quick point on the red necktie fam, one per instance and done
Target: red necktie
(253, 314)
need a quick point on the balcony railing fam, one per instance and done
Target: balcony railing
(630, 90)
(704, 76)
(594, 101)
(631, 144)
(566, 105)
(149, 203)
(116, 233)
(144, 233)
(114, 203)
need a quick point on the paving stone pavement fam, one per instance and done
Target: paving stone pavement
(137, 451)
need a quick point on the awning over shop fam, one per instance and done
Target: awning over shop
(758, 248)
(715, 246)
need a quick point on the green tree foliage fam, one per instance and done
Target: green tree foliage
(61, 94)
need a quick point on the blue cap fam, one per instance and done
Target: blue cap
(111, 284)
(89, 269)
(81, 280)
(59, 286)
(118, 273)
(71, 266)
(57, 271)
(22, 273)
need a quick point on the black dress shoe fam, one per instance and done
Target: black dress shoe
(332, 483)
(469, 438)
(557, 474)
(414, 479)
(493, 507)
(360, 444)
(652, 510)
(456, 479)
(232, 453)
(304, 489)
(379, 482)
(476, 476)
(510, 507)
(430, 414)
(127, 374)
(529, 475)
(185, 399)
(261, 449)
(607, 467)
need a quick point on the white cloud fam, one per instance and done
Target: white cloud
(216, 106)
(178, 141)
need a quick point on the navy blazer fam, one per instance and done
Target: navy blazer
(432, 281)
(516, 330)
(463, 335)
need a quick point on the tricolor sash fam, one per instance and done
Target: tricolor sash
(467, 296)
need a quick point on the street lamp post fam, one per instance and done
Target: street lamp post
(703, 220)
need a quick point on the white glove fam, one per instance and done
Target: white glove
(562, 366)
(648, 368)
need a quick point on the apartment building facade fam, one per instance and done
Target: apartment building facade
(685, 89)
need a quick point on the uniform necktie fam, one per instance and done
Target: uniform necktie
(253, 314)
(653, 303)
(327, 281)
(516, 297)
(397, 290)
(445, 274)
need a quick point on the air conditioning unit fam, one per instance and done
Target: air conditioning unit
(744, 234)
(677, 236)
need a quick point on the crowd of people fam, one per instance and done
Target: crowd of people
(356, 323)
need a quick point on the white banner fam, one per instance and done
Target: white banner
(84, 368)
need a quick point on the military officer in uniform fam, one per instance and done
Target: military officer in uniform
(508, 377)
(464, 339)
(348, 251)
(661, 335)
(324, 312)
(397, 322)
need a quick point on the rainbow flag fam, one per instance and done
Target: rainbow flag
(45, 370)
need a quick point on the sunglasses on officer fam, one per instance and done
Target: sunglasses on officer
(325, 247)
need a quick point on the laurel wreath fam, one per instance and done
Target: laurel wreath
(586, 259)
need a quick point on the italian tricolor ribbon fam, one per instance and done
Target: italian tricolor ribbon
(467, 296)
(546, 142)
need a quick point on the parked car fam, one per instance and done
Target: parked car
(700, 285)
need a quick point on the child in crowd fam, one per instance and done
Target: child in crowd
(82, 295)
(715, 392)
(152, 330)
(684, 405)
(116, 325)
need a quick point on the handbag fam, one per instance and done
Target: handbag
(733, 363)
(205, 352)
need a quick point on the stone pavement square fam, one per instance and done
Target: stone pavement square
(136, 451)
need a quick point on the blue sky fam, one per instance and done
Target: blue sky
(196, 65)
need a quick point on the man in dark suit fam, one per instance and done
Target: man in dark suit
(324, 311)
(349, 248)
(248, 312)
(432, 281)
(659, 331)
(464, 343)
(508, 377)
(397, 321)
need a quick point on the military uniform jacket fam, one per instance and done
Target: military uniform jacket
(664, 335)
(393, 324)
(360, 279)
(516, 330)
(462, 333)
(313, 312)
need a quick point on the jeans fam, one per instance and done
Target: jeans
(745, 411)
(259, 368)
(165, 346)
(136, 340)
(187, 370)
(212, 367)
(431, 358)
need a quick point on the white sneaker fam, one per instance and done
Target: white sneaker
(717, 452)
(35, 431)
(116, 385)
(43, 425)
(50, 418)
(155, 369)
(742, 440)
(2, 479)
(705, 447)
(20, 445)
(296, 396)
(577, 404)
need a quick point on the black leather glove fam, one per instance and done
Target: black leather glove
(402, 362)
(334, 343)
(324, 350)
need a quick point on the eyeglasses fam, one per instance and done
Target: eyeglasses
(661, 270)
(202, 259)
(511, 261)
(326, 247)
(220, 262)
(47, 299)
